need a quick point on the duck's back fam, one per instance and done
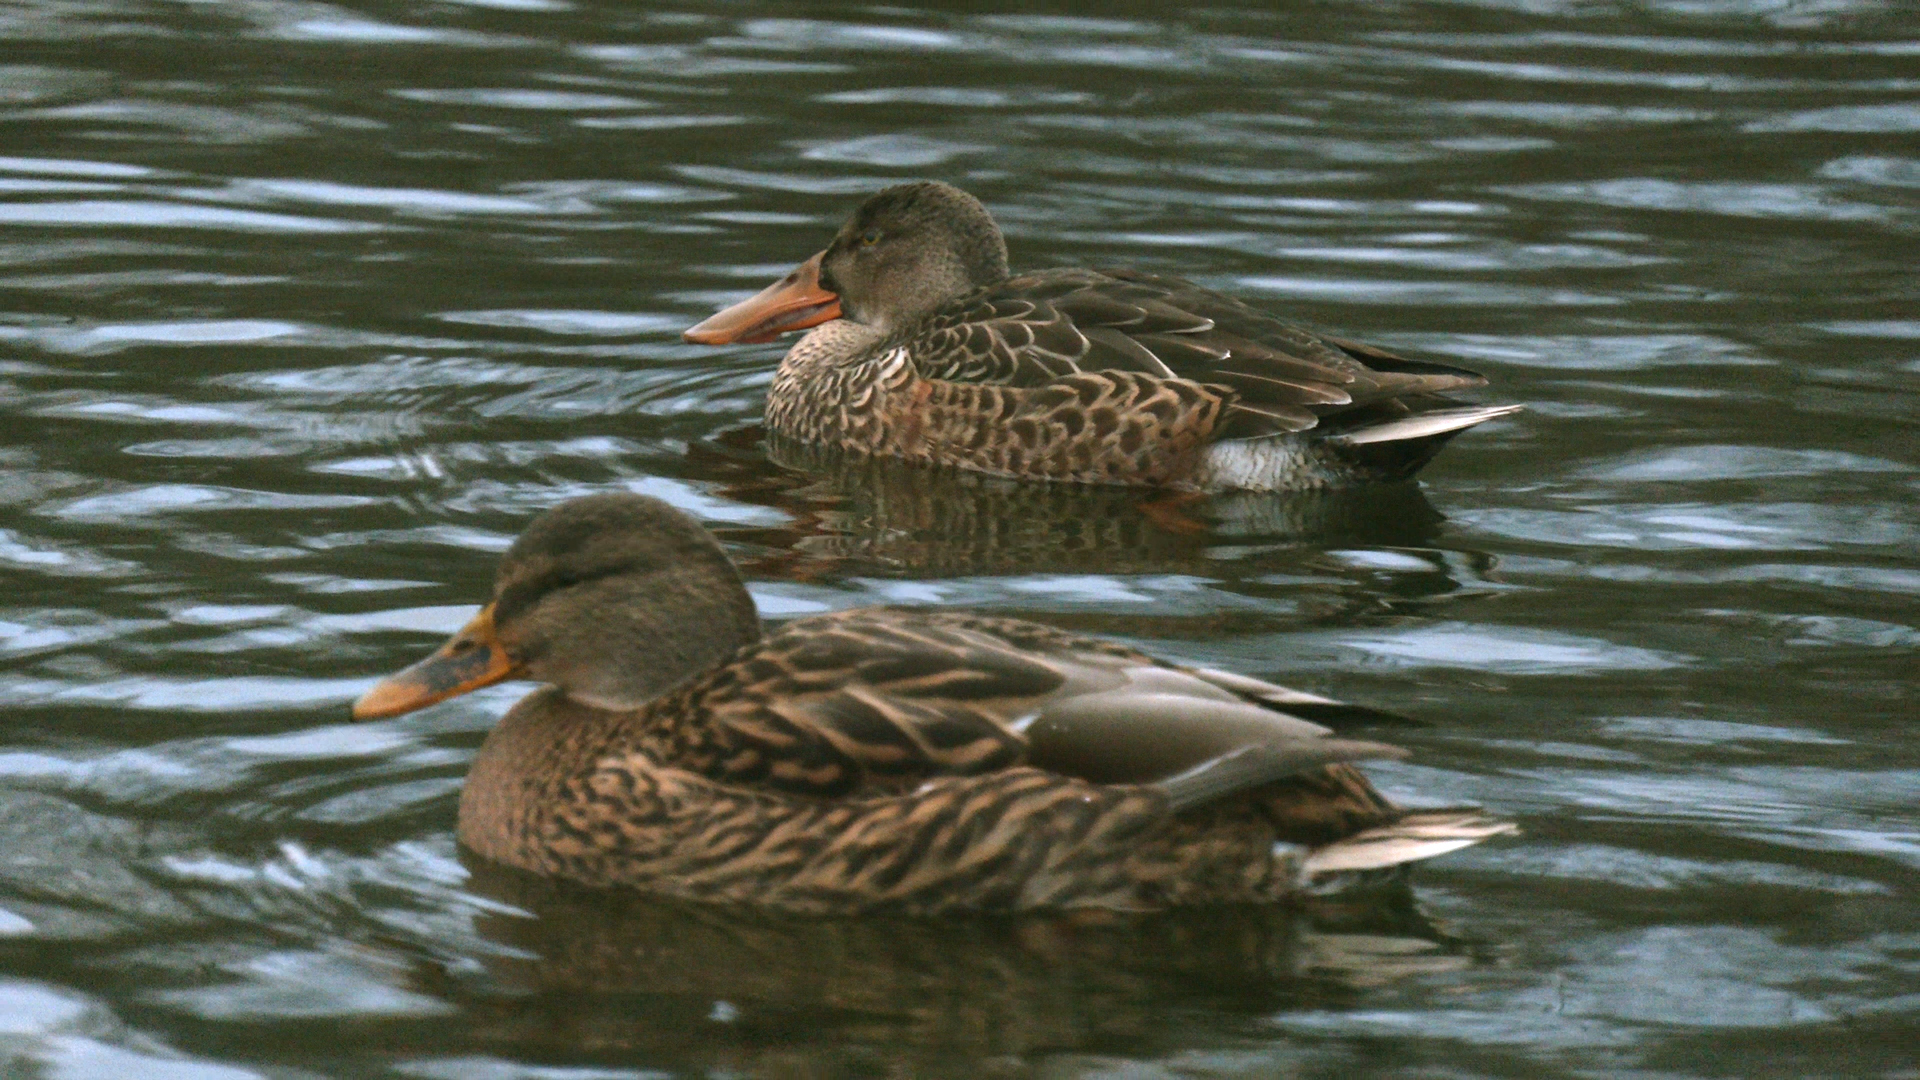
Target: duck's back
(879, 701)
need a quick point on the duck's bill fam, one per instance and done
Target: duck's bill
(795, 302)
(471, 659)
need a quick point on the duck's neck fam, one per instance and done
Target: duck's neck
(831, 344)
(813, 393)
(535, 758)
(542, 743)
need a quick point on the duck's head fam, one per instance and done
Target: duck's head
(613, 599)
(908, 250)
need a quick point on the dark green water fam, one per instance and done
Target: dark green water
(304, 309)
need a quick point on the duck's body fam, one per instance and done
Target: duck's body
(881, 758)
(940, 357)
(851, 760)
(1011, 839)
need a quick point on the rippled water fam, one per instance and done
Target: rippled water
(304, 309)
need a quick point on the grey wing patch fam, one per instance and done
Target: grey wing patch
(1313, 707)
(1127, 736)
(1251, 766)
(1120, 720)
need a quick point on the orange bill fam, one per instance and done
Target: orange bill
(795, 302)
(473, 658)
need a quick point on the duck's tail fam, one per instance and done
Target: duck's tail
(1421, 834)
(1378, 450)
(1396, 449)
(1424, 425)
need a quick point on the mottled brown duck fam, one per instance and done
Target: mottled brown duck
(924, 347)
(880, 759)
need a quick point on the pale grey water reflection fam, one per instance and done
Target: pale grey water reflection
(305, 308)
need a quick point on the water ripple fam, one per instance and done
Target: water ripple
(144, 214)
(1801, 201)
(310, 308)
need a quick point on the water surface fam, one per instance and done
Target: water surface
(305, 309)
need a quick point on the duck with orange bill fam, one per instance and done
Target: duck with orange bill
(920, 761)
(922, 345)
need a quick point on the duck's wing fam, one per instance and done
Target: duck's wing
(1037, 328)
(856, 703)
(879, 700)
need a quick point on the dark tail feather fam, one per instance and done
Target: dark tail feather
(1398, 448)
(1339, 714)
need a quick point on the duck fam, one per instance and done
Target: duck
(881, 759)
(922, 345)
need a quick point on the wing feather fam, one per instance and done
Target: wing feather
(879, 701)
(1034, 329)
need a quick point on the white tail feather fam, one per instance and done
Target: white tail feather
(1437, 422)
(1246, 686)
(1419, 835)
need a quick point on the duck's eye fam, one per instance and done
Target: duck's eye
(870, 238)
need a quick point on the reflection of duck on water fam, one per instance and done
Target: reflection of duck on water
(927, 350)
(884, 514)
(918, 761)
(692, 981)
